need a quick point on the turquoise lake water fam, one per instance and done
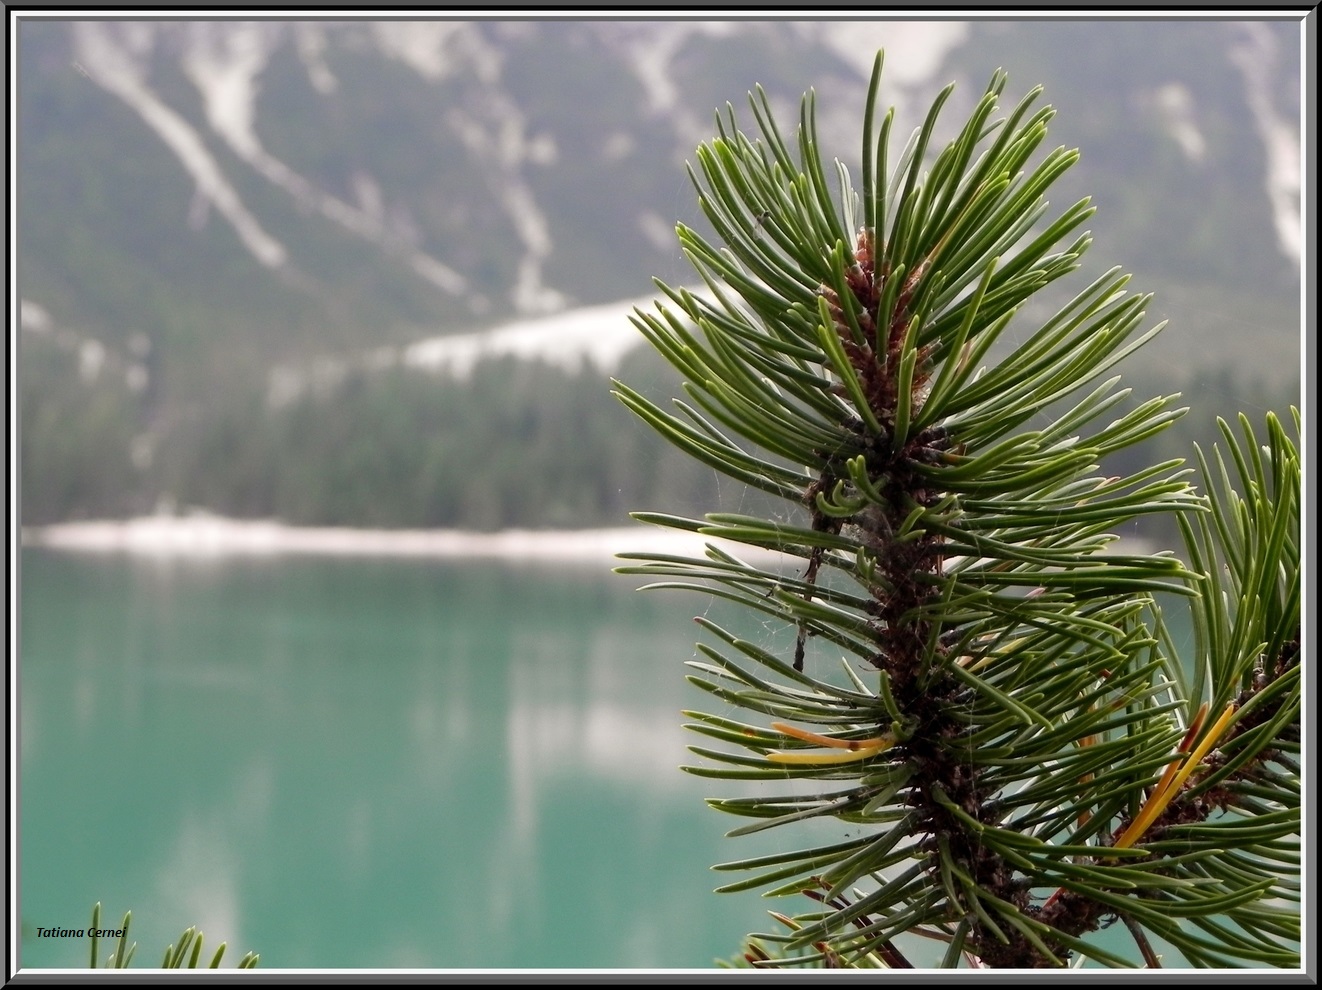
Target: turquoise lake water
(370, 763)
(383, 763)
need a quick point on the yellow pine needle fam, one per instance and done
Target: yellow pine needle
(1175, 776)
(855, 749)
(1195, 727)
(1147, 814)
(1177, 772)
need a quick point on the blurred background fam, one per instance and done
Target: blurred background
(376, 275)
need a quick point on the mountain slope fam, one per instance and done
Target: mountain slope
(206, 206)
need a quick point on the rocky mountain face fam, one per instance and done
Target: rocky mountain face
(207, 208)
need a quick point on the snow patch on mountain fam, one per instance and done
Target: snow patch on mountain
(116, 68)
(497, 135)
(1175, 104)
(225, 62)
(601, 335)
(93, 356)
(598, 335)
(1255, 55)
(652, 50)
(438, 49)
(494, 130)
(914, 49)
(649, 48)
(310, 43)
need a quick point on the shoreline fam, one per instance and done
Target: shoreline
(203, 535)
(211, 536)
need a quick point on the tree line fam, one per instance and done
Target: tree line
(515, 444)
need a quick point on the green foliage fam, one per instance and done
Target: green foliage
(386, 448)
(404, 448)
(187, 954)
(401, 447)
(973, 679)
(75, 440)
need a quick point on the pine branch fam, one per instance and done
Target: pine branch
(1014, 730)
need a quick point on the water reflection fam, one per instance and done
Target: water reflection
(365, 764)
(197, 878)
